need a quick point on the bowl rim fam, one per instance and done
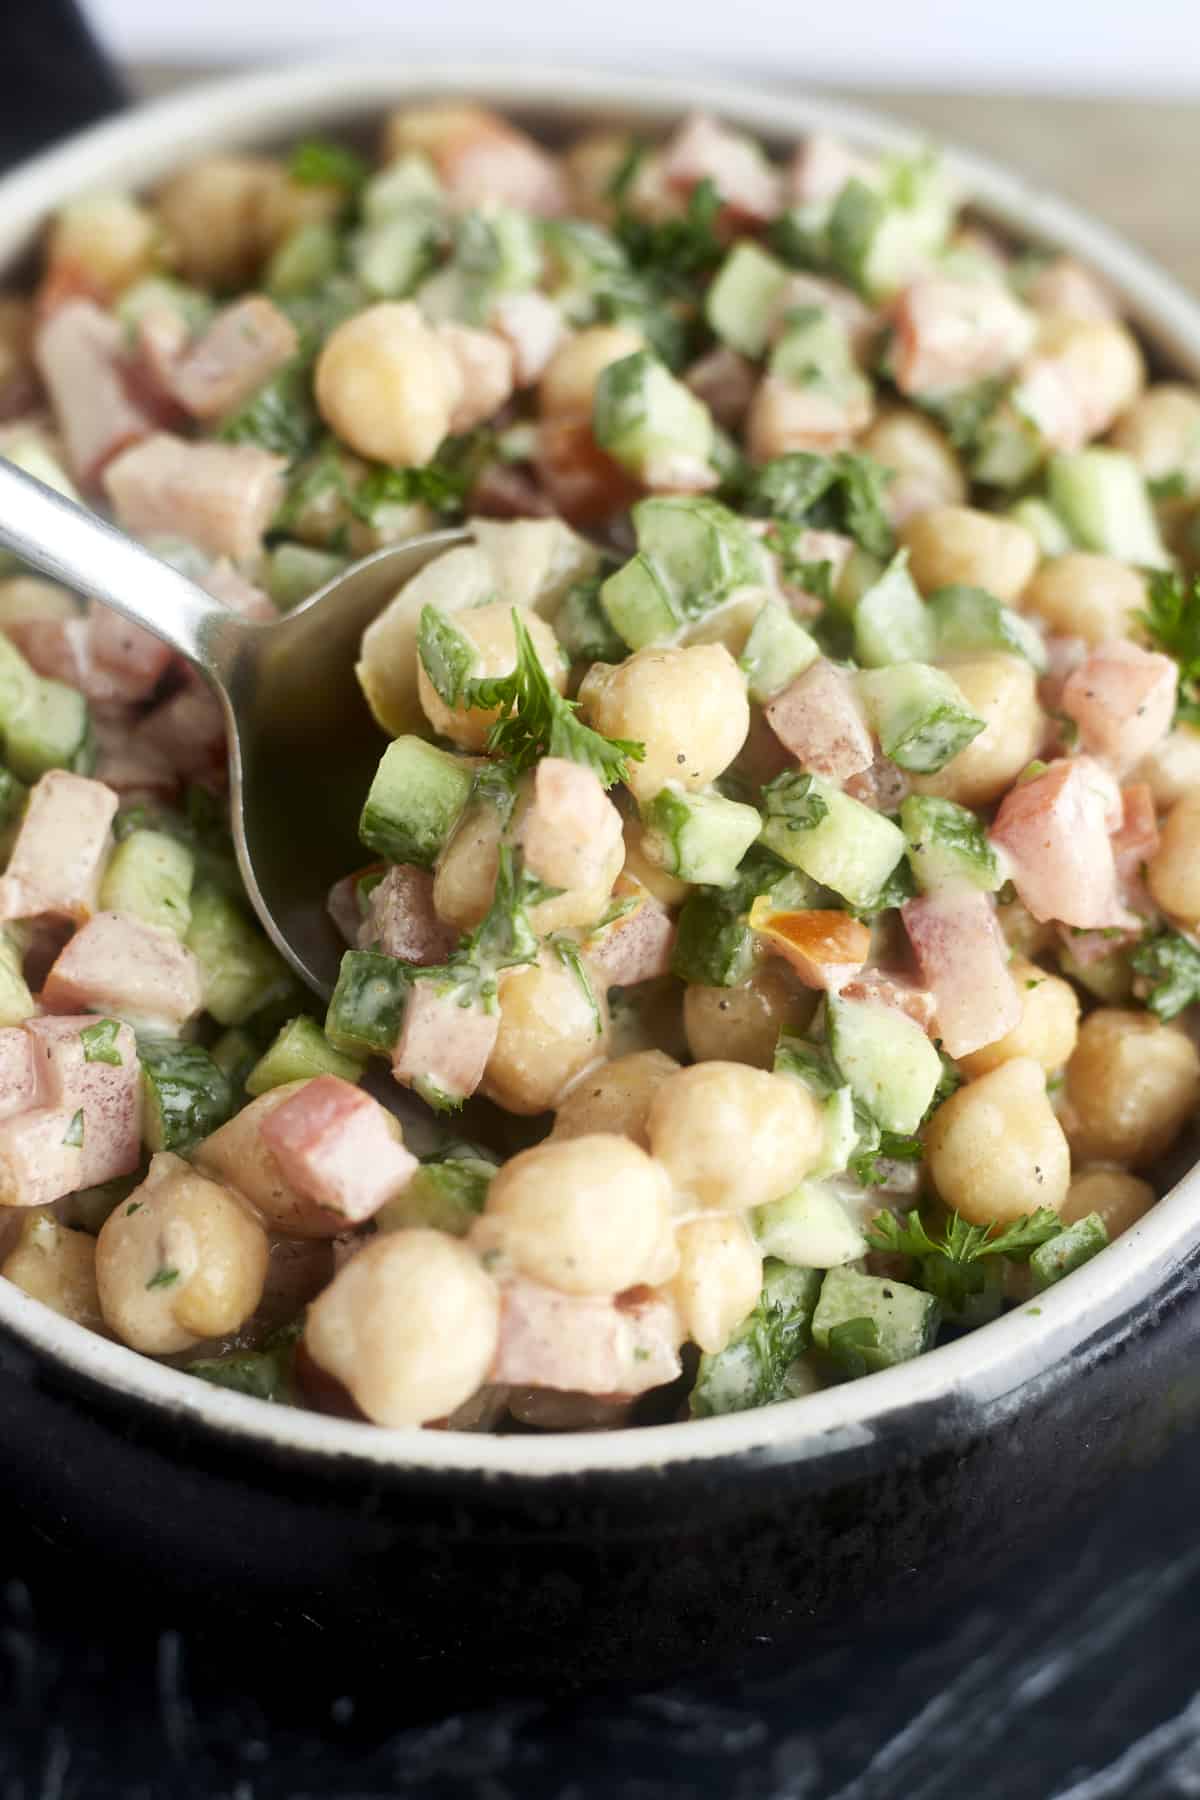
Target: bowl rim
(977, 1371)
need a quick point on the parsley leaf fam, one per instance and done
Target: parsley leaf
(1172, 617)
(447, 656)
(163, 1278)
(843, 492)
(442, 485)
(571, 957)
(503, 940)
(1168, 487)
(962, 412)
(100, 1042)
(754, 1368)
(74, 1137)
(535, 720)
(319, 162)
(793, 798)
(1172, 964)
(949, 1266)
(679, 249)
(893, 1147)
(280, 416)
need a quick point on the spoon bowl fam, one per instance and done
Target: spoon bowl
(302, 742)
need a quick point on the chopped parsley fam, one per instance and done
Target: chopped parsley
(100, 1042)
(951, 1266)
(679, 249)
(163, 1278)
(962, 412)
(74, 1137)
(1172, 617)
(1172, 964)
(319, 162)
(134, 1206)
(793, 798)
(442, 484)
(1168, 487)
(535, 720)
(843, 492)
(571, 957)
(281, 416)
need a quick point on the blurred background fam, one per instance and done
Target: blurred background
(1107, 46)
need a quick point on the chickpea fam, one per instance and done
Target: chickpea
(1173, 872)
(585, 1215)
(732, 1137)
(550, 1032)
(409, 1326)
(465, 877)
(1132, 1085)
(490, 630)
(719, 1278)
(1101, 361)
(1046, 1031)
(1002, 690)
(591, 164)
(1161, 431)
(387, 384)
(485, 371)
(1082, 595)
(687, 706)
(615, 1097)
(926, 471)
(182, 1260)
(237, 1156)
(1121, 1199)
(568, 383)
(1173, 769)
(110, 237)
(742, 1024)
(951, 544)
(56, 1266)
(212, 213)
(639, 871)
(995, 1149)
(25, 597)
(388, 667)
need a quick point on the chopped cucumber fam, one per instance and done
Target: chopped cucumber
(969, 619)
(392, 256)
(699, 837)
(835, 840)
(757, 1366)
(919, 715)
(16, 1001)
(889, 1062)
(741, 302)
(294, 571)
(777, 650)
(947, 844)
(243, 972)
(1101, 498)
(584, 629)
(409, 181)
(150, 875)
(814, 351)
(645, 418)
(1073, 1246)
(810, 1064)
(308, 256)
(414, 801)
(843, 1136)
(891, 623)
(367, 1007)
(185, 1094)
(1040, 519)
(899, 1322)
(809, 1227)
(46, 725)
(1009, 447)
(300, 1050)
(693, 554)
(447, 1195)
(235, 1054)
(880, 234)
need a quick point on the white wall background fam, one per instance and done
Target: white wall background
(1111, 46)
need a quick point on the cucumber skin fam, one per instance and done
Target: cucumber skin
(150, 875)
(905, 1317)
(186, 1094)
(300, 1050)
(367, 1006)
(414, 801)
(243, 973)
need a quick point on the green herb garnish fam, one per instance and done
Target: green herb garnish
(163, 1278)
(951, 1266)
(1172, 617)
(1172, 964)
(74, 1138)
(100, 1042)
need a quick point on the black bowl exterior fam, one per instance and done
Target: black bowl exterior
(507, 1582)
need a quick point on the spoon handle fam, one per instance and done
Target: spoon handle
(81, 550)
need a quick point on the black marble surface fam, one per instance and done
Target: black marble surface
(1074, 1677)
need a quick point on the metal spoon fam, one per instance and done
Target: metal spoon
(301, 740)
